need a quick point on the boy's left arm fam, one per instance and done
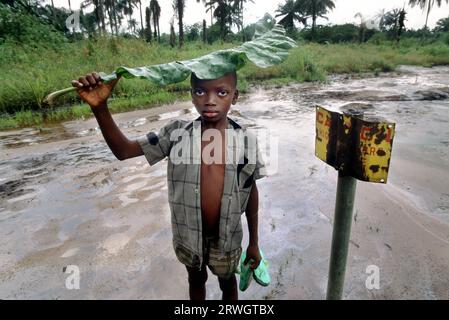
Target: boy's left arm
(252, 252)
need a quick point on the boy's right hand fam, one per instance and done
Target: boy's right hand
(92, 90)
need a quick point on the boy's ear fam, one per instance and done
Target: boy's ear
(236, 96)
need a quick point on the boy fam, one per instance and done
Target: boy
(206, 198)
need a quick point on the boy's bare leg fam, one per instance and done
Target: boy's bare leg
(229, 288)
(197, 283)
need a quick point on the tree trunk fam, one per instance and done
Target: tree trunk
(211, 15)
(97, 11)
(53, 13)
(241, 20)
(241, 15)
(241, 12)
(313, 26)
(181, 26)
(114, 12)
(172, 36)
(130, 15)
(148, 32)
(204, 31)
(155, 25)
(427, 15)
(101, 12)
(141, 18)
(158, 31)
(314, 14)
(111, 19)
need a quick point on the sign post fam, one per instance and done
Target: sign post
(358, 147)
(340, 235)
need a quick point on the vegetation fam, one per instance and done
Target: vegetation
(38, 54)
(302, 10)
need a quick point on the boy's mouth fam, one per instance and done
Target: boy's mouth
(209, 113)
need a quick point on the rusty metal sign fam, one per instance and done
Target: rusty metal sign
(354, 144)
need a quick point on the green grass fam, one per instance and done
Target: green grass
(82, 111)
(29, 74)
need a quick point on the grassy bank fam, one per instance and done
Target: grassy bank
(29, 74)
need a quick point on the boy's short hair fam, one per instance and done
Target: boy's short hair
(194, 78)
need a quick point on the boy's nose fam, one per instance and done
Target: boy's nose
(210, 101)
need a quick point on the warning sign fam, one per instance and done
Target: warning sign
(354, 144)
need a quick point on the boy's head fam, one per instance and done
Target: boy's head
(213, 98)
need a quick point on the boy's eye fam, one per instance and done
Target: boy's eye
(222, 93)
(199, 92)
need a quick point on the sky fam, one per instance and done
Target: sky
(344, 11)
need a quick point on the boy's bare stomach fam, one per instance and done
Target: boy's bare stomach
(212, 180)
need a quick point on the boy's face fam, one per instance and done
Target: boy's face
(213, 98)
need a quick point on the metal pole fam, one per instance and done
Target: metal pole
(340, 235)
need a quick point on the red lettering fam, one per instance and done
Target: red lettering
(319, 118)
(388, 137)
(364, 150)
(363, 133)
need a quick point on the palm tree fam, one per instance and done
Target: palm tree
(111, 7)
(126, 6)
(179, 6)
(172, 34)
(156, 13)
(394, 22)
(318, 8)
(224, 12)
(98, 11)
(362, 26)
(290, 12)
(132, 25)
(442, 25)
(239, 4)
(100, 14)
(380, 16)
(141, 18)
(108, 8)
(211, 11)
(426, 3)
(401, 24)
(204, 31)
(70, 9)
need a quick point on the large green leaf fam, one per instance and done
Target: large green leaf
(267, 50)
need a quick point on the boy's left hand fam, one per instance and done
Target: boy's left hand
(252, 252)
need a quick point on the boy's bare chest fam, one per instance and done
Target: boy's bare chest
(212, 184)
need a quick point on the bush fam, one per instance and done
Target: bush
(444, 38)
(378, 38)
(27, 29)
(332, 33)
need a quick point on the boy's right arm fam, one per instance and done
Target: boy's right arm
(96, 93)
